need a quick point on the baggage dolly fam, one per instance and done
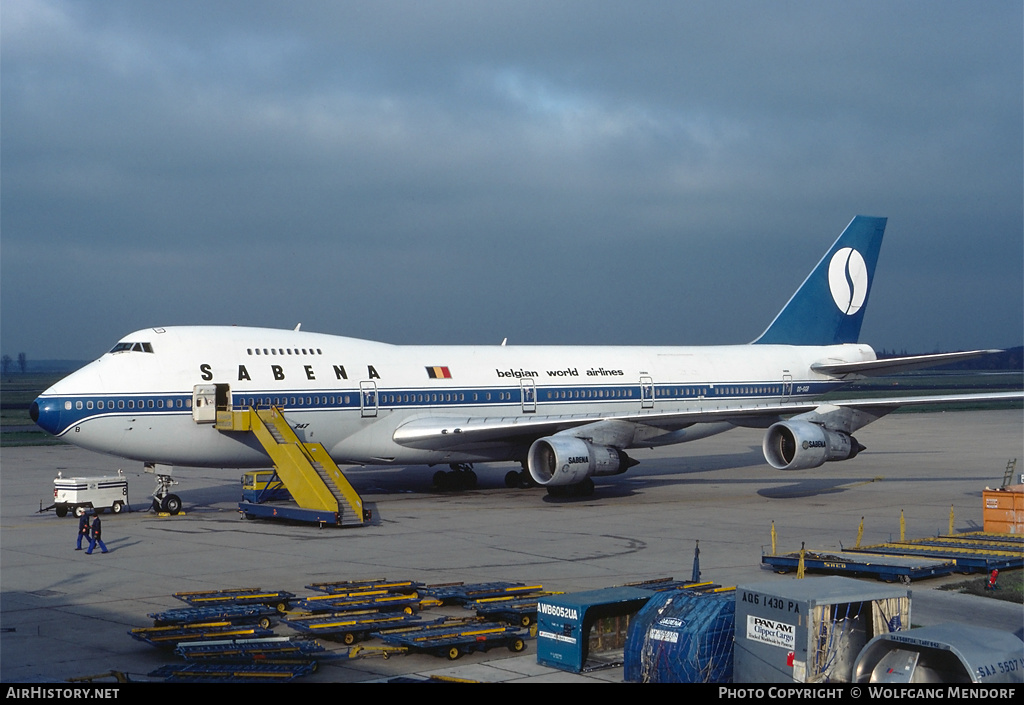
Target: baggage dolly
(278, 599)
(350, 627)
(235, 614)
(453, 639)
(459, 593)
(170, 637)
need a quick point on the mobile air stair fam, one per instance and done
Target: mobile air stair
(315, 482)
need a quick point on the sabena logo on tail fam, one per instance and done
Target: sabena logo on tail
(848, 280)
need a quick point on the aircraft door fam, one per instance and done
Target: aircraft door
(787, 386)
(528, 392)
(208, 399)
(368, 398)
(646, 393)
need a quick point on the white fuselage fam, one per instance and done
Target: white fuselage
(351, 395)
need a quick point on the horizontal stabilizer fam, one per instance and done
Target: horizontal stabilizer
(884, 366)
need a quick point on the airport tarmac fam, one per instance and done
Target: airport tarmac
(64, 614)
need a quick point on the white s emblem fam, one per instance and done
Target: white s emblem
(848, 280)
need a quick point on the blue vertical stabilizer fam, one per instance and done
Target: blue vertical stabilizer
(829, 306)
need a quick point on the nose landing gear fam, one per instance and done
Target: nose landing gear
(163, 499)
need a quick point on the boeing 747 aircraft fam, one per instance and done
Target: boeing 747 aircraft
(566, 414)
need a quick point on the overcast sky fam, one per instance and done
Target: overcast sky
(461, 172)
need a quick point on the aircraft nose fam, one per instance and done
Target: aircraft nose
(46, 414)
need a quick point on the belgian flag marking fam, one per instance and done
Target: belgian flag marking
(438, 373)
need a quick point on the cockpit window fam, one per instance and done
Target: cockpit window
(133, 347)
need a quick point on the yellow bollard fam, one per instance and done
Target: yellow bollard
(773, 538)
(903, 527)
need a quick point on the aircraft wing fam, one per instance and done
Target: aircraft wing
(629, 429)
(887, 365)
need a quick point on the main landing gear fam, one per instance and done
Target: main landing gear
(460, 477)
(519, 479)
(580, 489)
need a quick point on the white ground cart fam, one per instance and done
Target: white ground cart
(77, 495)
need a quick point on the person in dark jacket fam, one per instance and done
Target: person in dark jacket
(96, 533)
(83, 530)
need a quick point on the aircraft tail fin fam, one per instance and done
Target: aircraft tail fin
(828, 308)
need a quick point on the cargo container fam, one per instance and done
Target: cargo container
(682, 636)
(942, 653)
(811, 630)
(1004, 510)
(586, 630)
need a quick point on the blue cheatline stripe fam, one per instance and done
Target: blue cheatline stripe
(85, 408)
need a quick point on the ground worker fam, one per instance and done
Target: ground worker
(83, 530)
(95, 539)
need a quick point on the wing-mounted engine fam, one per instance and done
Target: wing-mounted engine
(566, 460)
(798, 444)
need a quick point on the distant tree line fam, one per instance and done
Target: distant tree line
(6, 362)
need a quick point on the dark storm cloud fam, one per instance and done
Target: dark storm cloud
(458, 171)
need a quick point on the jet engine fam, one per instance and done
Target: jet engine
(565, 460)
(797, 445)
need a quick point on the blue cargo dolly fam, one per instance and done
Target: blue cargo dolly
(521, 611)
(349, 627)
(975, 552)
(275, 649)
(881, 567)
(278, 599)
(345, 587)
(235, 614)
(459, 593)
(171, 636)
(232, 673)
(379, 601)
(666, 584)
(454, 638)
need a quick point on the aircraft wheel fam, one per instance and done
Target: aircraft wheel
(441, 480)
(171, 504)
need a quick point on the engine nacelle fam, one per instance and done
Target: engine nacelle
(797, 445)
(564, 460)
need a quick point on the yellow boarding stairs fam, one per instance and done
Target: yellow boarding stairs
(311, 476)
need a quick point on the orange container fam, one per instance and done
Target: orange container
(1003, 511)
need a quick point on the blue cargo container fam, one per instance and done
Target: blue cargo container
(682, 637)
(576, 630)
